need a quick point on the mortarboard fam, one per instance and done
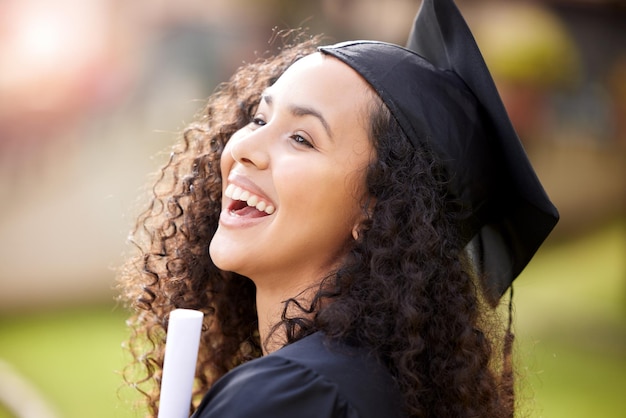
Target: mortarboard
(440, 91)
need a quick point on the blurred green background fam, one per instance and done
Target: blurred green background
(570, 340)
(92, 92)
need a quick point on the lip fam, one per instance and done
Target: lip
(226, 218)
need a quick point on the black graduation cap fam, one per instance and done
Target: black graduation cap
(441, 93)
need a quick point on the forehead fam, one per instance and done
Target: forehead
(318, 71)
(327, 84)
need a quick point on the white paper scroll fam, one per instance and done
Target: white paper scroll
(179, 364)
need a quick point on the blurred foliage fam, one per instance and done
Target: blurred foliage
(546, 56)
(571, 327)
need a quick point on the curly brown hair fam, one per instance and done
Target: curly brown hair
(403, 290)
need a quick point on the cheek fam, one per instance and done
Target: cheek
(326, 198)
(300, 185)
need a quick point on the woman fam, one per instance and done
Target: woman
(344, 217)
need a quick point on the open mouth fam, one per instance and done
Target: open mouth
(239, 208)
(247, 204)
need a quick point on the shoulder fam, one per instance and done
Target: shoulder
(310, 378)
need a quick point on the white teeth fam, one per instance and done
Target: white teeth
(237, 193)
(229, 190)
(253, 201)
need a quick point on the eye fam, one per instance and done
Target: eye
(258, 121)
(300, 140)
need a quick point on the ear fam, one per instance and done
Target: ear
(367, 211)
(355, 233)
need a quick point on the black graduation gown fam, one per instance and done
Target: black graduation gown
(310, 378)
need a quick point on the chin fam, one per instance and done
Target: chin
(217, 256)
(223, 256)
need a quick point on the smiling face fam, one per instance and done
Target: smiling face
(294, 178)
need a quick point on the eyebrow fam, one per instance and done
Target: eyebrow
(298, 110)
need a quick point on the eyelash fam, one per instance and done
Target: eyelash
(257, 121)
(298, 139)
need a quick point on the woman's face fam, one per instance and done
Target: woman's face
(294, 177)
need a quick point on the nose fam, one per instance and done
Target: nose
(251, 149)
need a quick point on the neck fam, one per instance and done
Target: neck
(270, 303)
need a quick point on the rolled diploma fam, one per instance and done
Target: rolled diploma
(179, 364)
